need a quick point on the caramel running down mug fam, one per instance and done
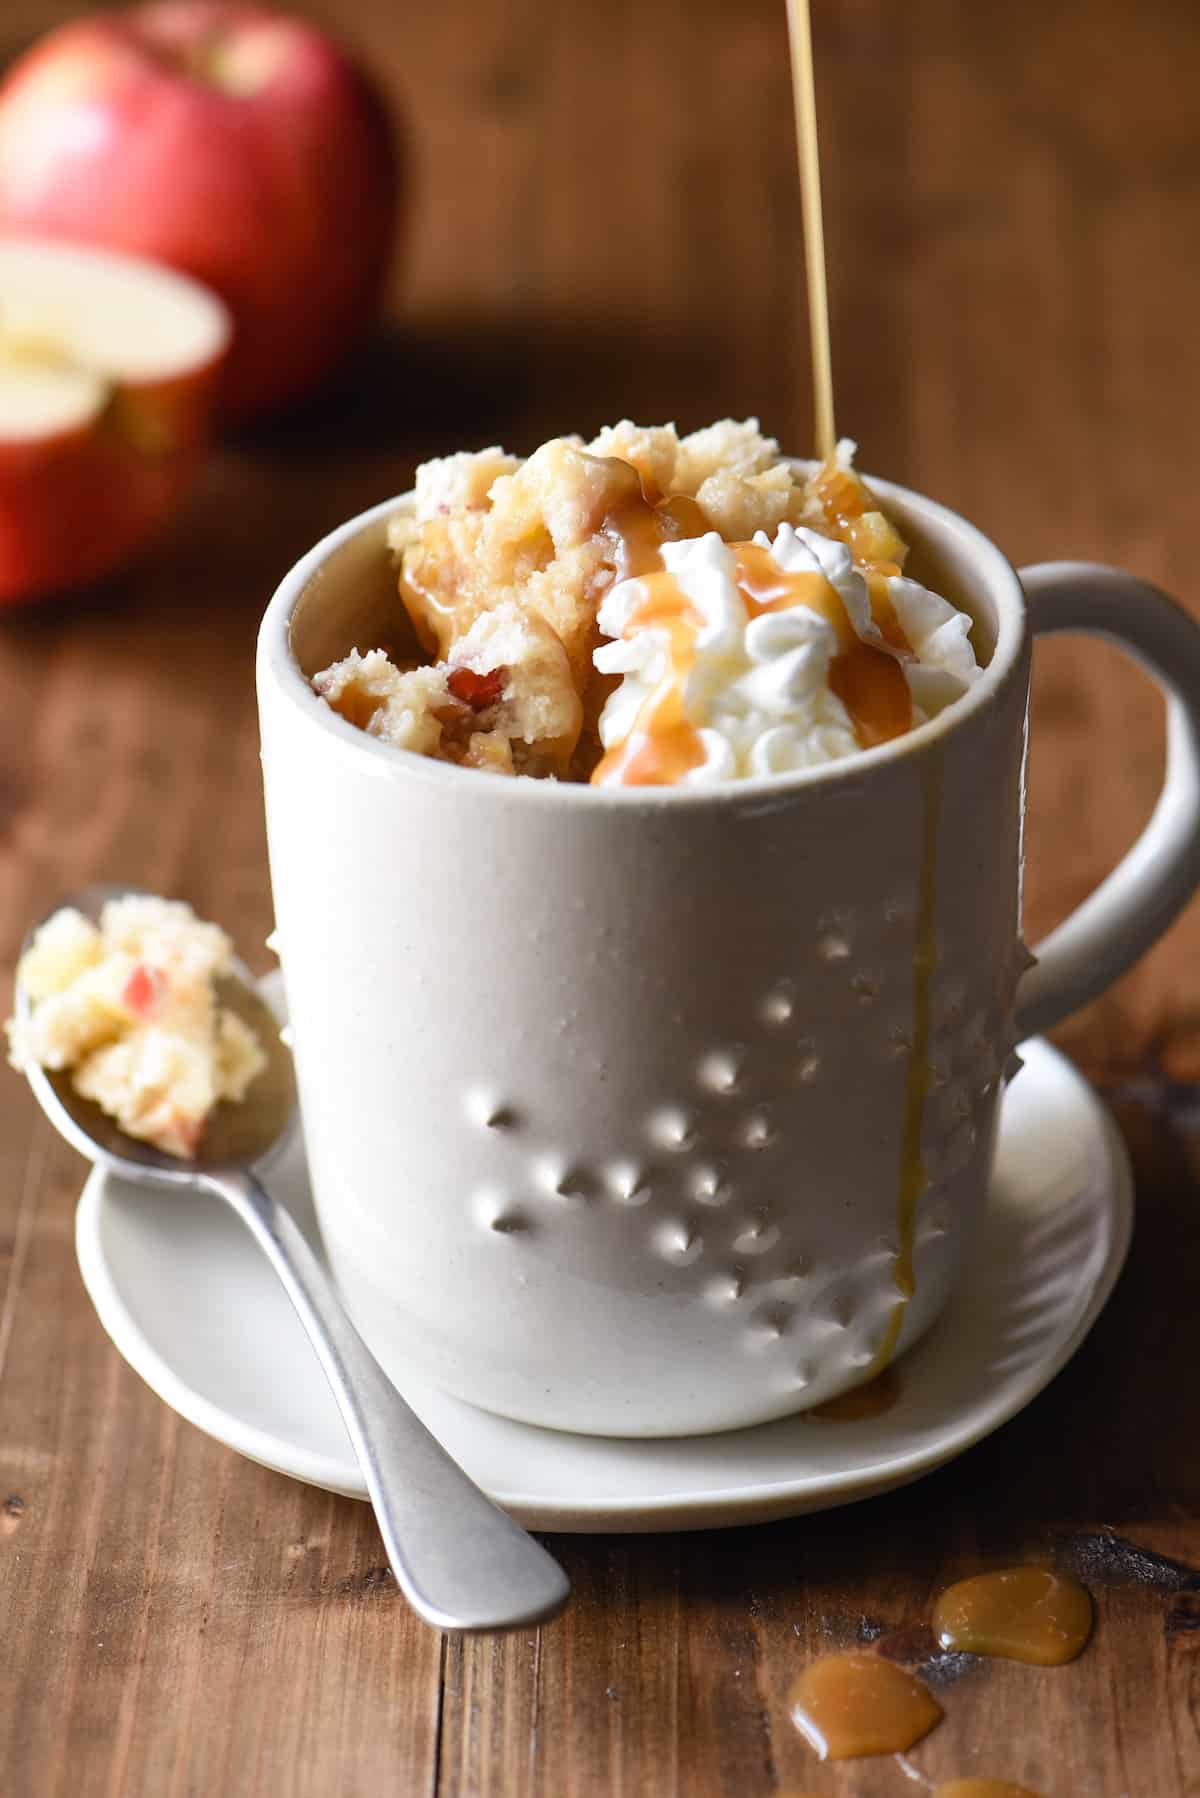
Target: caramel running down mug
(651, 1112)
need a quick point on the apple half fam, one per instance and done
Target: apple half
(109, 369)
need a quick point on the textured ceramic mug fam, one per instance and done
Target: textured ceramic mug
(649, 1112)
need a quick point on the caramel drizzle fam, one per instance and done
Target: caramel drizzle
(664, 744)
(981, 1788)
(433, 610)
(804, 100)
(636, 524)
(871, 1399)
(913, 1175)
(637, 528)
(852, 515)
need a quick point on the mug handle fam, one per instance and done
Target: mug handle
(1157, 876)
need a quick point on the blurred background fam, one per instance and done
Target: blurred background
(601, 218)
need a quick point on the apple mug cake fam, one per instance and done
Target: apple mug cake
(652, 610)
(131, 1007)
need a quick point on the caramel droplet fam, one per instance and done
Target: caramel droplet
(981, 1788)
(1021, 1613)
(856, 1703)
(871, 1399)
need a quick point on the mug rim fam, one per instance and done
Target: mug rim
(276, 660)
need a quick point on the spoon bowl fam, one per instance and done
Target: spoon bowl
(235, 1136)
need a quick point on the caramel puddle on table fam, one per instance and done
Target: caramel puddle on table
(1020, 1613)
(850, 1704)
(982, 1788)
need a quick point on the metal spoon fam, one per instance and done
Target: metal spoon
(461, 1562)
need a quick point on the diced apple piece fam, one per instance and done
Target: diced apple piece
(145, 990)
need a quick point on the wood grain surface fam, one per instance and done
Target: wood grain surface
(606, 221)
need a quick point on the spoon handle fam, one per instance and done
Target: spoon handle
(462, 1563)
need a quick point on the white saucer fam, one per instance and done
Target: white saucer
(191, 1305)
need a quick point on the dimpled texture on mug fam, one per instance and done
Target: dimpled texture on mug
(688, 1173)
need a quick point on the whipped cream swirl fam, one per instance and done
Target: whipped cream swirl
(756, 688)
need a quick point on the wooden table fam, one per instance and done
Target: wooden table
(606, 221)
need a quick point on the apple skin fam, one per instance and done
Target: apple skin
(230, 141)
(81, 504)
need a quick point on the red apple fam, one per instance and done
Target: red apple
(229, 140)
(109, 369)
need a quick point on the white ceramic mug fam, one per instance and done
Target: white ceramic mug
(625, 1109)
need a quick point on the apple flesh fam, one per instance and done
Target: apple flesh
(238, 145)
(109, 369)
